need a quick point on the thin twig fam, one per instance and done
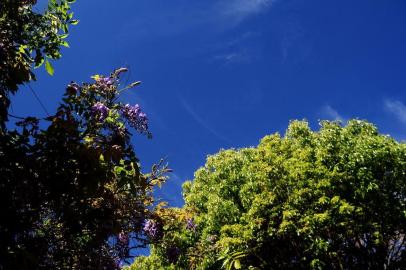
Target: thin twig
(38, 99)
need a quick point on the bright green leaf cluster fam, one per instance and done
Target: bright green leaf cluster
(332, 199)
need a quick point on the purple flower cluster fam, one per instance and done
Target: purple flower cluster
(123, 238)
(190, 224)
(118, 263)
(104, 83)
(136, 118)
(151, 228)
(100, 111)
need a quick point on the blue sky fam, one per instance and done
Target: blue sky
(224, 73)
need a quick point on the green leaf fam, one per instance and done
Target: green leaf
(237, 264)
(39, 62)
(65, 44)
(74, 22)
(65, 28)
(39, 59)
(49, 68)
(95, 77)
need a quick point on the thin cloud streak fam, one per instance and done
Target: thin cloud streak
(233, 57)
(241, 9)
(200, 121)
(331, 113)
(397, 108)
(171, 191)
(219, 15)
(239, 49)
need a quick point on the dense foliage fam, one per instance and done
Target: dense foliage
(332, 199)
(29, 38)
(72, 195)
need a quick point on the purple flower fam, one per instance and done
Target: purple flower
(190, 224)
(135, 117)
(151, 228)
(100, 111)
(123, 238)
(118, 263)
(105, 81)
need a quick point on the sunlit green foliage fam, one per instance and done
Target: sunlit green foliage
(332, 199)
(27, 39)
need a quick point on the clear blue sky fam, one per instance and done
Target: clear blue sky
(224, 73)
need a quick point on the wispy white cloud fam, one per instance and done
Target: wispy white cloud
(171, 191)
(332, 114)
(397, 108)
(229, 57)
(238, 49)
(233, 57)
(200, 120)
(293, 39)
(241, 9)
(174, 19)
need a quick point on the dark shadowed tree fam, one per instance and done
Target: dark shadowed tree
(72, 195)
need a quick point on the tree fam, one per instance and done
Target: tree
(72, 194)
(332, 199)
(27, 39)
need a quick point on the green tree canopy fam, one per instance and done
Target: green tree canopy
(332, 199)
